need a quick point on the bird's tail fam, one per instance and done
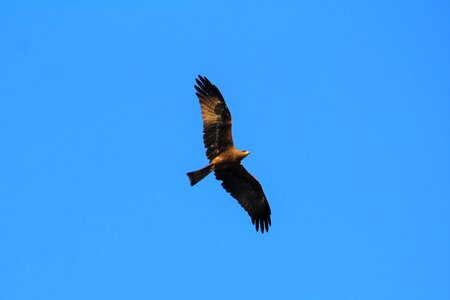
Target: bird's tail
(196, 176)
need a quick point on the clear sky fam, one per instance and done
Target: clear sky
(345, 107)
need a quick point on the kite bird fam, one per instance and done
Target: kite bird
(225, 159)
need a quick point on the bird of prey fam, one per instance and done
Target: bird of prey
(225, 159)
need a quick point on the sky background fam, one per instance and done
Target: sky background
(345, 107)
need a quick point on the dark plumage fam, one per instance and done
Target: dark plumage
(225, 159)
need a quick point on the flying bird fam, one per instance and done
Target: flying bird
(225, 159)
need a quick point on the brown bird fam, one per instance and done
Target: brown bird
(225, 159)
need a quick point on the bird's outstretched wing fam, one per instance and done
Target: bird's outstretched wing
(248, 192)
(216, 118)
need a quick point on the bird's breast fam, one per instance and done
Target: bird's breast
(227, 159)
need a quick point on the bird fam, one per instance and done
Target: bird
(225, 159)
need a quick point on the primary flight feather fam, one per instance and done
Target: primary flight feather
(225, 159)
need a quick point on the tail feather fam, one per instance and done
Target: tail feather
(196, 176)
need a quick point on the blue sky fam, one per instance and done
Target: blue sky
(345, 107)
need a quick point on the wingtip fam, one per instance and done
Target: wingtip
(202, 79)
(262, 225)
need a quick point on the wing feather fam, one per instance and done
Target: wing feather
(216, 118)
(248, 192)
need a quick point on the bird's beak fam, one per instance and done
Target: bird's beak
(247, 153)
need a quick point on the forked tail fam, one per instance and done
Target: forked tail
(196, 176)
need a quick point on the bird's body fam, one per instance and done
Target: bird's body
(225, 159)
(228, 158)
